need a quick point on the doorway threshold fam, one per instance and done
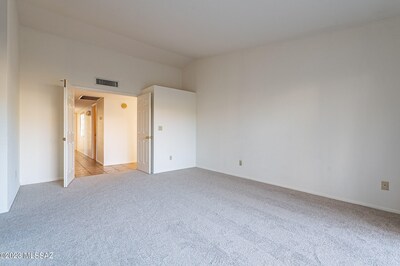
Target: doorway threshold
(86, 166)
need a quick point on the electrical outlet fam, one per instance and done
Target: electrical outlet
(160, 128)
(170, 157)
(385, 185)
(240, 163)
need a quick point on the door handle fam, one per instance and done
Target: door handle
(148, 137)
(64, 139)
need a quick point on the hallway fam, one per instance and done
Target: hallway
(86, 166)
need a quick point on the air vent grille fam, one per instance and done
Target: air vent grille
(105, 82)
(89, 98)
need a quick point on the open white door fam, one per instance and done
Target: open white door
(144, 129)
(69, 138)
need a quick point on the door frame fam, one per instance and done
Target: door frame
(94, 131)
(75, 86)
(100, 90)
(69, 133)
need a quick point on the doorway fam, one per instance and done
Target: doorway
(86, 166)
(106, 132)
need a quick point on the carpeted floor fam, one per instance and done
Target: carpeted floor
(192, 217)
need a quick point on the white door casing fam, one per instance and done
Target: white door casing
(144, 128)
(100, 131)
(69, 138)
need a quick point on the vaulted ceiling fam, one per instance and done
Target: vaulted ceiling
(174, 32)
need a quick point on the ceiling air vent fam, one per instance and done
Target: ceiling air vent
(89, 98)
(107, 82)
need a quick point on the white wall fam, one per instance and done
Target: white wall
(116, 132)
(84, 143)
(319, 114)
(13, 102)
(3, 108)
(44, 60)
(9, 108)
(174, 111)
(120, 130)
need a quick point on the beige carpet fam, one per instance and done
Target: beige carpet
(192, 217)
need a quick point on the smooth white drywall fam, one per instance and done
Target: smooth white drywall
(13, 101)
(84, 142)
(3, 108)
(204, 27)
(117, 133)
(44, 60)
(9, 104)
(120, 130)
(319, 114)
(174, 129)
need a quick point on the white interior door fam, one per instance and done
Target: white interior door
(144, 133)
(69, 138)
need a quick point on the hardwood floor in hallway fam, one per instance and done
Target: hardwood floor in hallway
(86, 166)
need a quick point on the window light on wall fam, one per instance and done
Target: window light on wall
(82, 125)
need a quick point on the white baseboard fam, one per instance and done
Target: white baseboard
(114, 163)
(42, 181)
(175, 169)
(13, 197)
(314, 193)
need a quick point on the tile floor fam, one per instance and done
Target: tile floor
(86, 166)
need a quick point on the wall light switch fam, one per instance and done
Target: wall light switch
(160, 128)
